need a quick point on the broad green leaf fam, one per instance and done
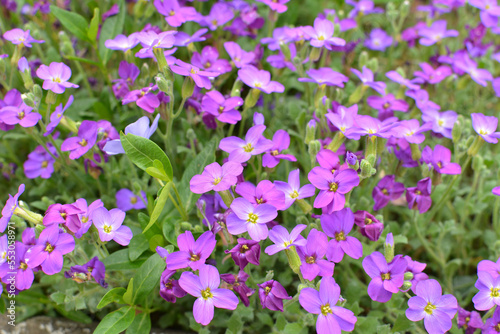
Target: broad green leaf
(143, 152)
(117, 321)
(75, 23)
(112, 296)
(77, 316)
(294, 328)
(138, 245)
(58, 297)
(157, 171)
(120, 260)
(111, 27)
(196, 166)
(127, 296)
(147, 277)
(155, 241)
(94, 26)
(141, 324)
(160, 203)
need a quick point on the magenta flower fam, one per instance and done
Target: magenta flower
(387, 190)
(109, 224)
(55, 77)
(215, 177)
(492, 325)
(387, 278)
(496, 191)
(386, 105)
(80, 221)
(191, 253)
(242, 150)
(325, 76)
(469, 321)
(378, 40)
(126, 200)
(419, 197)
(284, 240)
(292, 189)
(429, 304)
(175, 15)
(151, 40)
(332, 319)
(344, 120)
(281, 142)
(337, 226)
(398, 78)
(442, 122)
(246, 251)
(200, 78)
(184, 39)
(332, 186)
(57, 115)
(205, 288)
(209, 60)
(271, 295)
(18, 271)
(59, 213)
(311, 255)
(363, 7)
(259, 79)
(276, 5)
(18, 36)
(9, 208)
(128, 74)
(435, 33)
(412, 131)
(49, 250)
(220, 14)
(237, 283)
(416, 268)
(240, 57)
(84, 273)
(22, 116)
(431, 75)
(367, 125)
(485, 126)
(488, 295)
(264, 192)
(40, 163)
(170, 289)
(122, 42)
(81, 144)
(369, 226)
(463, 63)
(367, 78)
(440, 159)
(321, 35)
(223, 109)
(247, 218)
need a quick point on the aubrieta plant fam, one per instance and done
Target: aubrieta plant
(251, 166)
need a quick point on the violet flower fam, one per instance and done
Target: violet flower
(337, 226)
(240, 57)
(170, 288)
(281, 141)
(201, 78)
(184, 39)
(276, 5)
(378, 40)
(245, 252)
(321, 35)
(429, 304)
(94, 268)
(367, 78)
(332, 319)
(122, 42)
(264, 192)
(419, 197)
(344, 121)
(312, 256)
(209, 60)
(205, 288)
(81, 144)
(126, 200)
(223, 109)
(128, 74)
(387, 190)
(292, 189)
(59, 213)
(191, 253)
(55, 77)
(387, 278)
(469, 321)
(242, 150)
(440, 159)
(442, 122)
(367, 125)
(259, 79)
(20, 37)
(109, 225)
(18, 272)
(220, 14)
(412, 131)
(386, 105)
(10, 207)
(486, 126)
(22, 116)
(363, 7)
(238, 285)
(247, 218)
(284, 240)
(496, 191)
(57, 115)
(488, 295)
(79, 222)
(271, 295)
(325, 76)
(398, 78)
(435, 33)
(150, 41)
(431, 75)
(369, 226)
(215, 177)
(175, 15)
(40, 162)
(416, 268)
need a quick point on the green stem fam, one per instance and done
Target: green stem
(183, 212)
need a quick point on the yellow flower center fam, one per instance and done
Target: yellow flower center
(440, 122)
(295, 194)
(49, 248)
(494, 293)
(259, 200)
(4, 254)
(85, 219)
(368, 221)
(287, 243)
(386, 276)
(384, 191)
(107, 228)
(83, 142)
(252, 218)
(429, 309)
(207, 64)
(216, 181)
(56, 80)
(45, 164)
(257, 84)
(334, 186)
(193, 71)
(386, 105)
(325, 309)
(221, 109)
(275, 152)
(205, 294)
(310, 260)
(483, 132)
(340, 236)
(172, 13)
(321, 38)
(23, 266)
(244, 248)
(248, 148)
(418, 192)
(267, 290)
(194, 257)
(21, 115)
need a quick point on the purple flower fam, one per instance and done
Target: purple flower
(332, 186)
(242, 150)
(470, 321)
(215, 177)
(281, 141)
(259, 79)
(396, 77)
(271, 295)
(150, 40)
(369, 226)
(284, 240)
(485, 126)
(496, 191)
(412, 131)
(311, 255)
(122, 42)
(344, 120)
(139, 128)
(205, 288)
(442, 122)
(337, 225)
(170, 289)
(240, 57)
(416, 268)
(435, 33)
(40, 163)
(440, 159)
(81, 144)
(281, 61)
(247, 218)
(387, 190)
(18, 271)
(58, 213)
(237, 284)
(386, 105)
(10, 206)
(94, 268)
(325, 76)
(22, 115)
(463, 62)
(367, 78)
(292, 189)
(184, 39)
(209, 60)
(145, 98)
(191, 253)
(264, 192)
(429, 304)
(220, 14)
(126, 200)
(49, 250)
(419, 197)
(200, 78)
(128, 73)
(18, 36)
(55, 77)
(332, 319)
(80, 221)
(387, 278)
(492, 325)
(367, 125)
(282, 35)
(109, 224)
(175, 15)
(431, 75)
(379, 40)
(276, 5)
(321, 35)
(223, 109)
(57, 115)
(363, 7)
(246, 251)
(488, 295)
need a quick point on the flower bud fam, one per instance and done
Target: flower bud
(50, 98)
(415, 152)
(314, 148)
(314, 55)
(477, 163)
(363, 59)
(191, 135)
(162, 83)
(236, 90)
(310, 131)
(389, 248)
(373, 64)
(286, 51)
(187, 88)
(28, 100)
(475, 147)
(408, 276)
(357, 95)
(366, 169)
(269, 275)
(304, 206)
(404, 9)
(371, 158)
(293, 259)
(302, 220)
(37, 91)
(252, 98)
(186, 226)
(456, 132)
(406, 286)
(258, 118)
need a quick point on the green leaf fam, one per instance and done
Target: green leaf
(157, 171)
(138, 245)
(117, 321)
(294, 328)
(155, 241)
(281, 322)
(143, 152)
(402, 324)
(111, 27)
(127, 296)
(77, 316)
(75, 23)
(234, 324)
(265, 319)
(120, 260)
(94, 26)
(196, 166)
(58, 297)
(160, 203)
(141, 324)
(147, 277)
(112, 296)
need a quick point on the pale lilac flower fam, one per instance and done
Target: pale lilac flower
(184, 39)
(22, 115)
(379, 40)
(281, 141)
(442, 122)
(486, 126)
(386, 105)
(109, 224)
(435, 33)
(321, 35)
(209, 60)
(311, 256)
(175, 15)
(470, 321)
(387, 278)
(264, 192)
(122, 42)
(367, 78)
(363, 7)
(284, 240)
(40, 163)
(18, 36)
(80, 222)
(416, 268)
(496, 191)
(488, 295)
(344, 120)
(396, 77)
(247, 218)
(192, 254)
(431, 75)
(281, 35)
(325, 76)
(276, 5)
(18, 271)
(367, 125)
(201, 78)
(463, 62)
(220, 14)
(223, 109)
(259, 79)
(215, 177)
(412, 131)
(150, 40)
(55, 77)
(57, 115)
(240, 57)
(126, 200)
(10, 206)
(242, 150)
(83, 142)
(292, 189)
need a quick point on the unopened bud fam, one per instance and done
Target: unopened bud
(389, 248)
(37, 91)
(404, 9)
(366, 169)
(406, 286)
(186, 226)
(236, 91)
(269, 275)
(252, 98)
(190, 135)
(314, 55)
(363, 59)
(475, 147)
(408, 276)
(373, 64)
(310, 131)
(416, 154)
(286, 51)
(314, 148)
(162, 83)
(477, 163)
(187, 87)
(28, 100)
(456, 133)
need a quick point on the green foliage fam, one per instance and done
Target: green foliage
(75, 23)
(117, 321)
